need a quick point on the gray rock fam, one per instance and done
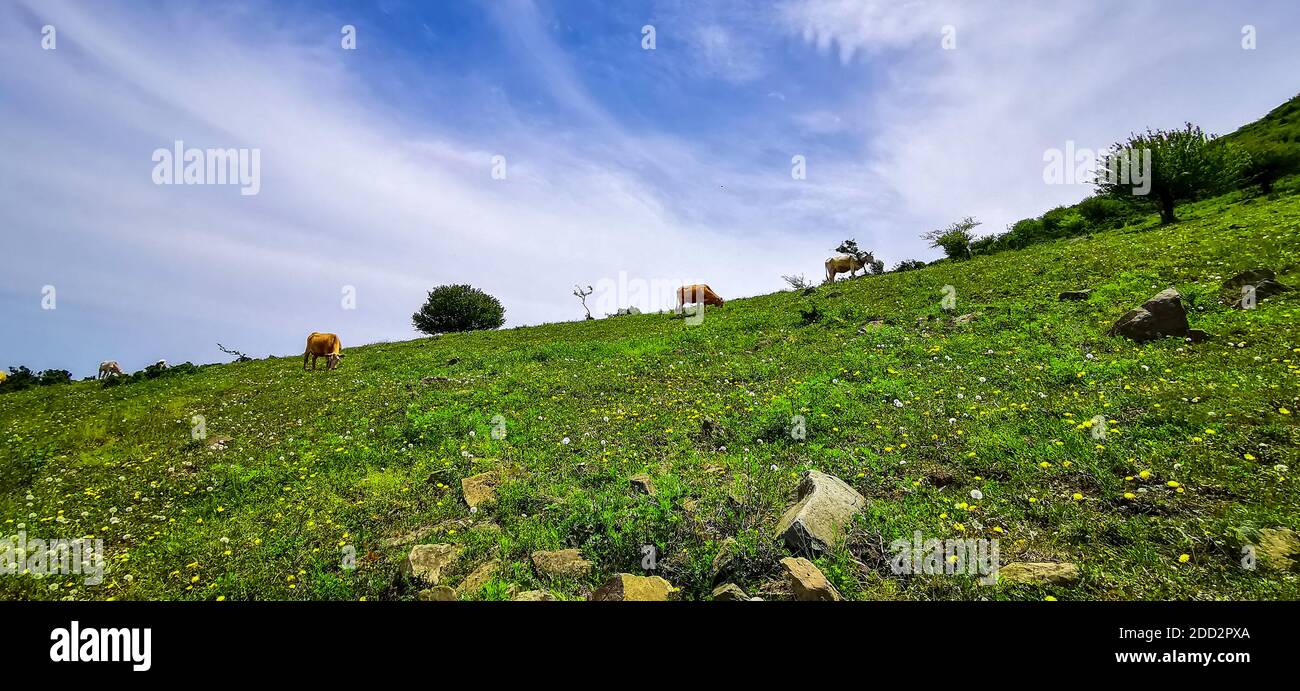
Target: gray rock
(1075, 295)
(1159, 317)
(1248, 277)
(826, 505)
(1266, 288)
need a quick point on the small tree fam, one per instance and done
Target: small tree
(955, 239)
(797, 282)
(1185, 164)
(581, 294)
(454, 308)
(878, 267)
(850, 247)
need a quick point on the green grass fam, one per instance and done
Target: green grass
(318, 462)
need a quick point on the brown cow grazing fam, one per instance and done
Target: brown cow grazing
(108, 368)
(847, 263)
(322, 345)
(697, 292)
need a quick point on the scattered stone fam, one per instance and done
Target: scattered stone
(1248, 277)
(726, 560)
(439, 593)
(1038, 573)
(626, 587)
(1161, 316)
(964, 319)
(475, 581)
(1279, 549)
(808, 582)
(480, 490)
(1075, 295)
(729, 592)
(1264, 288)
(218, 443)
(564, 563)
(826, 505)
(643, 484)
(533, 596)
(427, 562)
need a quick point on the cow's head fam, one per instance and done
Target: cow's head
(334, 359)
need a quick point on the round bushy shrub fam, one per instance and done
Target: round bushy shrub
(458, 308)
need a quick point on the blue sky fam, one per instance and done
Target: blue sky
(623, 164)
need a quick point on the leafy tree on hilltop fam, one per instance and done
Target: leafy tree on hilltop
(453, 308)
(1185, 164)
(955, 239)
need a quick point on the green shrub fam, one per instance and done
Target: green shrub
(453, 308)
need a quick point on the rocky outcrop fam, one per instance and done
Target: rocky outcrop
(825, 507)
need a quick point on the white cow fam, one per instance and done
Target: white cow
(109, 368)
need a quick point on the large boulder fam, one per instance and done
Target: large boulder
(808, 582)
(564, 563)
(1159, 317)
(826, 505)
(1038, 573)
(427, 562)
(626, 587)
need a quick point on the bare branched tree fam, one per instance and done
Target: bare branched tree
(581, 294)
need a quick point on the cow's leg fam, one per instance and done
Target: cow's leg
(305, 355)
(313, 362)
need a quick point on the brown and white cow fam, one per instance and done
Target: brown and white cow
(322, 345)
(697, 292)
(109, 368)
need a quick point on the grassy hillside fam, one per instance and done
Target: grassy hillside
(914, 412)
